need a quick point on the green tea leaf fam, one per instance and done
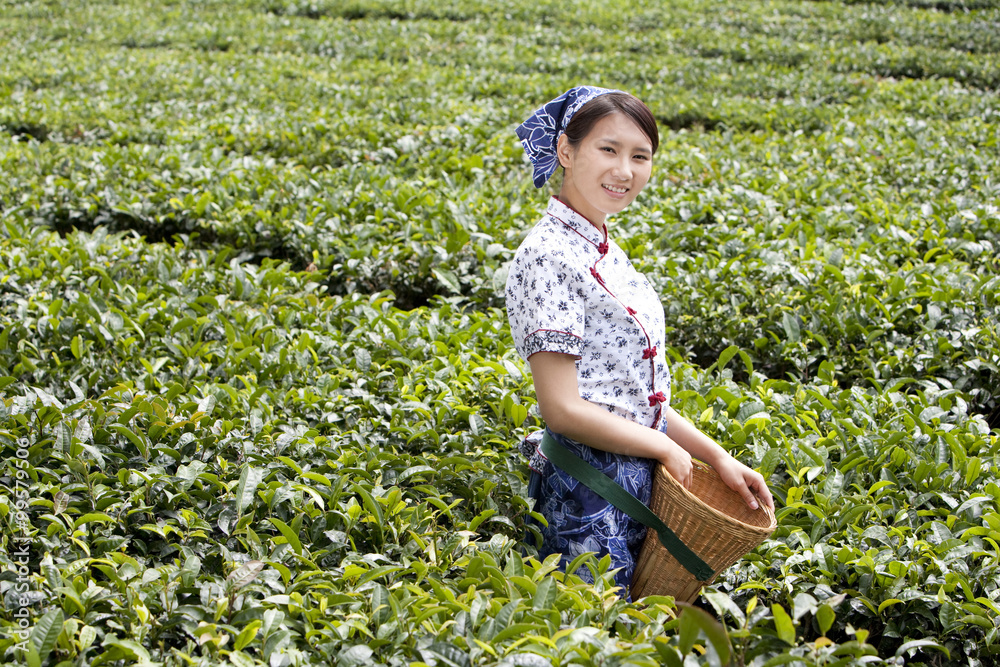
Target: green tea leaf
(783, 624)
(244, 574)
(726, 356)
(355, 656)
(825, 617)
(288, 533)
(246, 489)
(790, 323)
(693, 621)
(448, 279)
(908, 648)
(46, 631)
(545, 594)
(247, 635)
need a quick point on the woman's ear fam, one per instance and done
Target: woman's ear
(564, 150)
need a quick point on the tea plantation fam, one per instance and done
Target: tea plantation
(259, 403)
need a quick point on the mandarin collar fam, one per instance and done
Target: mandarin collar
(577, 222)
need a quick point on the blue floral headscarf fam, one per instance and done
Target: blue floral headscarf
(540, 133)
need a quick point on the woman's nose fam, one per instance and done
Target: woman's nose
(622, 169)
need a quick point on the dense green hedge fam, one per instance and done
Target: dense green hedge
(258, 398)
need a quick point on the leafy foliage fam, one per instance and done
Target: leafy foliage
(258, 398)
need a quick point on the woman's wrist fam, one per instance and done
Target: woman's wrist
(715, 454)
(701, 446)
(669, 450)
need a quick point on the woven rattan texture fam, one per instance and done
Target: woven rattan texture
(710, 518)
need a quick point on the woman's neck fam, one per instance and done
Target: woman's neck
(567, 200)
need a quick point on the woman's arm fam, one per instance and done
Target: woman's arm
(566, 413)
(745, 481)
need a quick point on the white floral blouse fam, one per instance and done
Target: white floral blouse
(572, 290)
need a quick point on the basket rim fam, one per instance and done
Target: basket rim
(688, 496)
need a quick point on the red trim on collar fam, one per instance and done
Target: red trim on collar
(603, 228)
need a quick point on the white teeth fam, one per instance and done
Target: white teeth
(620, 191)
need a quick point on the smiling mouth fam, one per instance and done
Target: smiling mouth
(616, 190)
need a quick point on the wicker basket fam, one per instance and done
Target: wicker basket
(710, 518)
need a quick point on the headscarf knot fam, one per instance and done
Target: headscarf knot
(540, 133)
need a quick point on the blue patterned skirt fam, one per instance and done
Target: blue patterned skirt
(581, 521)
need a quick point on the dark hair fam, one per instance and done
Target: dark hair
(583, 121)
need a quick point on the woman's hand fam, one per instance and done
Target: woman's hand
(738, 477)
(677, 461)
(744, 481)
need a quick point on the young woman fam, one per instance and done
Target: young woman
(591, 328)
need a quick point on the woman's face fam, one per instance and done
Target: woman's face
(607, 169)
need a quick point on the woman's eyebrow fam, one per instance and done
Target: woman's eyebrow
(618, 144)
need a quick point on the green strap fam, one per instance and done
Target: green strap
(611, 491)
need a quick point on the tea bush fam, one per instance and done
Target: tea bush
(259, 402)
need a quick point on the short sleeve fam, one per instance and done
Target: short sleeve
(545, 304)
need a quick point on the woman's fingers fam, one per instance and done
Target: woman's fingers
(680, 472)
(748, 497)
(742, 483)
(760, 486)
(685, 469)
(678, 463)
(688, 472)
(752, 488)
(746, 482)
